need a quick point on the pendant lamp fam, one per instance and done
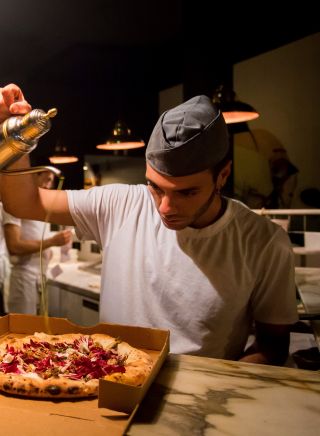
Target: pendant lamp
(121, 139)
(233, 110)
(62, 156)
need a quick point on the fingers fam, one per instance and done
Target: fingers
(22, 107)
(12, 101)
(63, 237)
(67, 235)
(11, 94)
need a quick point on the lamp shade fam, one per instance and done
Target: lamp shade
(233, 110)
(62, 156)
(121, 139)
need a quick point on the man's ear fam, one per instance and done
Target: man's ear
(224, 174)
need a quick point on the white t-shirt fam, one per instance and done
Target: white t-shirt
(205, 285)
(25, 277)
(30, 230)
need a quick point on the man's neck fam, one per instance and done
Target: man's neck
(213, 213)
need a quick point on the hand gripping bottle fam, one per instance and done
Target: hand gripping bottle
(19, 134)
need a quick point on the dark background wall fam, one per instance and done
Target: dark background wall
(101, 60)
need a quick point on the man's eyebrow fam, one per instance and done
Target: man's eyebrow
(191, 188)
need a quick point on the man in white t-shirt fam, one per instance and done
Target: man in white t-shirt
(176, 253)
(23, 238)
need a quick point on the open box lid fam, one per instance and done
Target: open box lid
(124, 398)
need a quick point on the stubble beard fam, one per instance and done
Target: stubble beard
(192, 222)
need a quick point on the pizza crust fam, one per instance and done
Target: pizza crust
(138, 365)
(49, 388)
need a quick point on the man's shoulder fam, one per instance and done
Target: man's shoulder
(242, 211)
(135, 193)
(254, 214)
(256, 222)
(112, 189)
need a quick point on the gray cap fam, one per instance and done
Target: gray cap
(187, 139)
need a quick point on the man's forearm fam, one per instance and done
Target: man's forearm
(265, 357)
(25, 247)
(256, 357)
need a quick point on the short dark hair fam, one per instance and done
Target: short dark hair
(215, 169)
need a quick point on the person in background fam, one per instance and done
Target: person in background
(284, 179)
(177, 254)
(23, 239)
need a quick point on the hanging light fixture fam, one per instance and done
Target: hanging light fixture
(233, 110)
(121, 139)
(62, 156)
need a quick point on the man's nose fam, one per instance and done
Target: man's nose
(167, 205)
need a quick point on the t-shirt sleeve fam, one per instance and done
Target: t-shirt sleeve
(10, 219)
(99, 211)
(274, 298)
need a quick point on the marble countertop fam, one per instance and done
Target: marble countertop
(72, 277)
(201, 396)
(308, 282)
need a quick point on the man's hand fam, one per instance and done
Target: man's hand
(61, 238)
(271, 344)
(12, 102)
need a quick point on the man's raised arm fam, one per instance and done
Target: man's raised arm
(20, 194)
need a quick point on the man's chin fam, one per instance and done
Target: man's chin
(174, 224)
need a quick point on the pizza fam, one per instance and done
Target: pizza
(68, 365)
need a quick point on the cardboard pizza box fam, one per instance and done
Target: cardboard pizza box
(114, 409)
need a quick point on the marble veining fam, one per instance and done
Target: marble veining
(201, 396)
(307, 275)
(308, 282)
